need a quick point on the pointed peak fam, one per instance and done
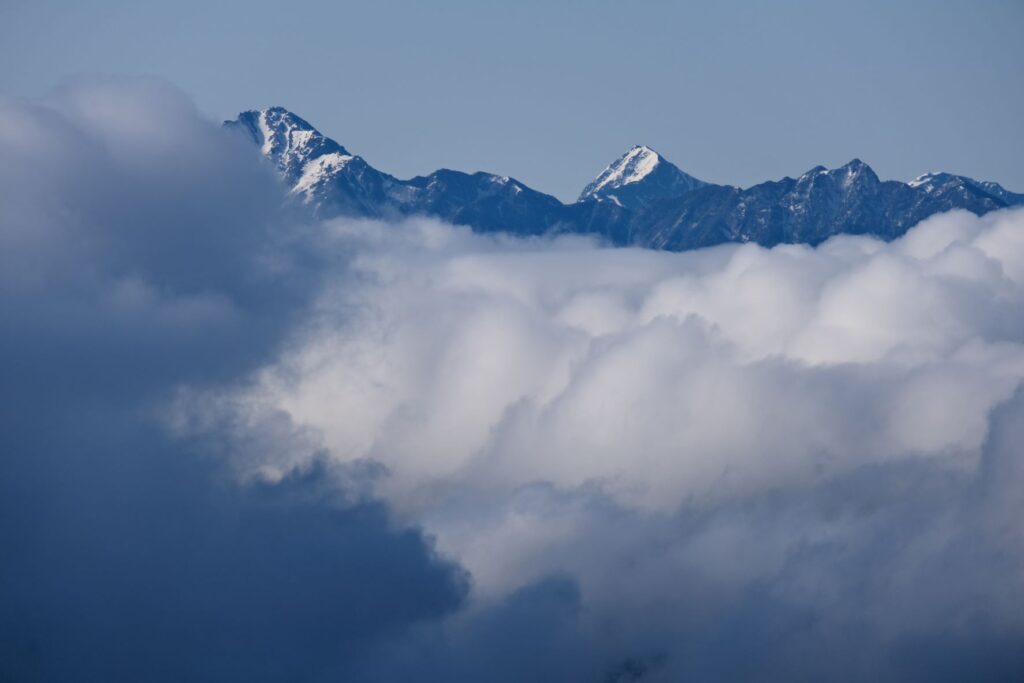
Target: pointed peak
(630, 168)
(641, 171)
(856, 171)
(816, 171)
(641, 149)
(641, 156)
(281, 116)
(633, 165)
(274, 115)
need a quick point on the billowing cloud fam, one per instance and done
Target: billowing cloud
(749, 463)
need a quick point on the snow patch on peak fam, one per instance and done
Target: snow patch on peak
(318, 170)
(856, 171)
(284, 134)
(632, 167)
(266, 132)
(924, 179)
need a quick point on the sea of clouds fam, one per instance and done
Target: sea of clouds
(241, 445)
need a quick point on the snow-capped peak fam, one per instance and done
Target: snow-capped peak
(638, 177)
(632, 167)
(288, 140)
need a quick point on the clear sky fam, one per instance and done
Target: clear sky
(550, 92)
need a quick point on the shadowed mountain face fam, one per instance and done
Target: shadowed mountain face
(947, 183)
(639, 200)
(809, 209)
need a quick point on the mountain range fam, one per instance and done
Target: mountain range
(641, 199)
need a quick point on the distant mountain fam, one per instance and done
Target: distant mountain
(809, 209)
(316, 168)
(947, 183)
(324, 175)
(640, 199)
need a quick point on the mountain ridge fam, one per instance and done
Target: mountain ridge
(640, 199)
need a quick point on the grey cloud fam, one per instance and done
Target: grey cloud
(141, 252)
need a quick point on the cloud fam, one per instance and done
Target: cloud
(238, 445)
(751, 463)
(142, 251)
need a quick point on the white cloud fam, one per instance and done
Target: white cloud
(673, 430)
(463, 360)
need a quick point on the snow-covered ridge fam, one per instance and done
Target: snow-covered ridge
(641, 199)
(319, 171)
(287, 140)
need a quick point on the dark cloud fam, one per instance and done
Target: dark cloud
(128, 558)
(135, 231)
(141, 250)
(892, 572)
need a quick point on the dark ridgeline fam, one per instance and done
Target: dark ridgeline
(639, 200)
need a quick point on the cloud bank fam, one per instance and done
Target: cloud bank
(734, 463)
(238, 445)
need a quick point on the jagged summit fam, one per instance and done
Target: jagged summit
(817, 170)
(637, 178)
(938, 181)
(332, 181)
(851, 170)
(934, 183)
(290, 141)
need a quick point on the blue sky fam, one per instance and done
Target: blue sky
(733, 92)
